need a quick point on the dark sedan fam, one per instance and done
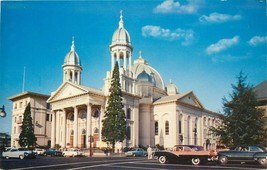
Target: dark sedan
(53, 152)
(243, 153)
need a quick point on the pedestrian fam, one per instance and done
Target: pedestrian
(149, 152)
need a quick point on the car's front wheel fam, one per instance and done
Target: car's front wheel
(195, 161)
(223, 160)
(7, 157)
(263, 161)
(162, 159)
(21, 157)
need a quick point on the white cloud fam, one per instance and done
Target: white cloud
(218, 18)
(222, 45)
(187, 36)
(170, 6)
(257, 40)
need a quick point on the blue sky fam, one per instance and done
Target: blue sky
(200, 45)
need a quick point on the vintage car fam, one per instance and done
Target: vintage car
(261, 158)
(52, 152)
(20, 153)
(244, 153)
(136, 152)
(72, 152)
(186, 153)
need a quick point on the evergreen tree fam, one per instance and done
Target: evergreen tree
(243, 123)
(27, 137)
(114, 123)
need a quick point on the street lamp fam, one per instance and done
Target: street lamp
(3, 112)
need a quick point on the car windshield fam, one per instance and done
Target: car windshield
(197, 148)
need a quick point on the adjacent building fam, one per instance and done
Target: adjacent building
(40, 113)
(261, 96)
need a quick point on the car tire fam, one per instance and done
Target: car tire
(195, 161)
(223, 160)
(21, 157)
(7, 157)
(162, 159)
(134, 155)
(263, 161)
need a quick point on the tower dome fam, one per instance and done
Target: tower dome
(144, 77)
(72, 57)
(121, 35)
(171, 89)
(72, 66)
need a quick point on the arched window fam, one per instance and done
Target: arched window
(180, 124)
(167, 128)
(156, 128)
(83, 131)
(96, 113)
(128, 133)
(128, 113)
(71, 117)
(96, 130)
(72, 132)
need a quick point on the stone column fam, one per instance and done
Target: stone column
(101, 117)
(88, 124)
(75, 135)
(130, 62)
(53, 129)
(112, 61)
(64, 129)
(57, 128)
(124, 60)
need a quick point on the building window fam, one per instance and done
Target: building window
(47, 117)
(128, 133)
(156, 128)
(180, 126)
(48, 105)
(96, 114)
(20, 104)
(128, 113)
(167, 128)
(15, 130)
(15, 107)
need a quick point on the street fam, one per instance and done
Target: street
(115, 162)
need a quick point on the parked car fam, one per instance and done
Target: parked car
(39, 151)
(244, 153)
(20, 153)
(261, 158)
(73, 152)
(193, 154)
(136, 152)
(53, 152)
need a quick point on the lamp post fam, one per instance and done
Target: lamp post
(3, 112)
(91, 140)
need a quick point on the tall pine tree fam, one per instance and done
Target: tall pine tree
(27, 137)
(114, 123)
(243, 123)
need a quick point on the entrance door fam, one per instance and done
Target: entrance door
(71, 141)
(83, 141)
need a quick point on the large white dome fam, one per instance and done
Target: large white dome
(141, 65)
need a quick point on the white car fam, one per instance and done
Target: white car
(73, 152)
(20, 153)
(39, 151)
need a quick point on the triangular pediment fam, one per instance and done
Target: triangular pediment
(67, 90)
(191, 99)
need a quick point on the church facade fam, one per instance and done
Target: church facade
(155, 114)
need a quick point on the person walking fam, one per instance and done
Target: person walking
(149, 152)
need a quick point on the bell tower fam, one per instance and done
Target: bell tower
(121, 47)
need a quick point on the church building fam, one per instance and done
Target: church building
(155, 113)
